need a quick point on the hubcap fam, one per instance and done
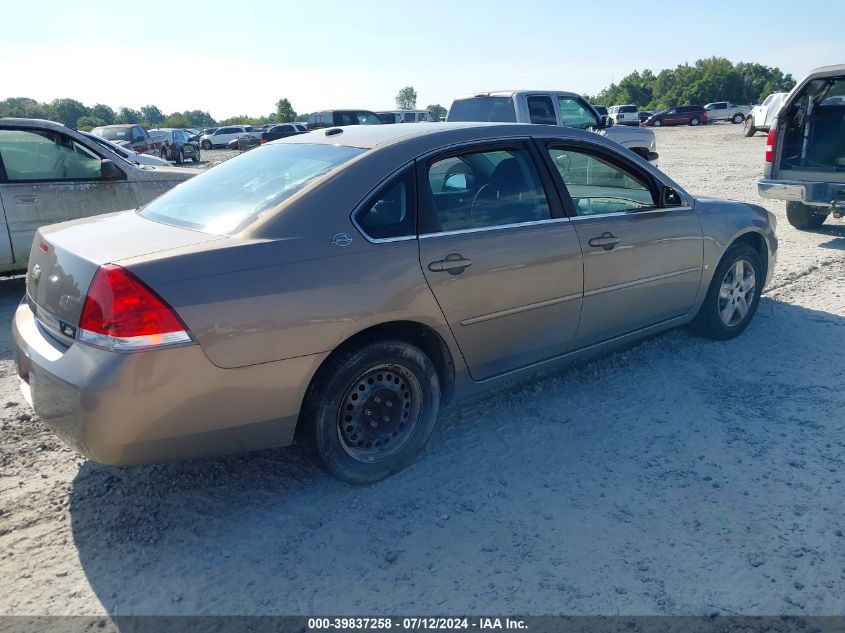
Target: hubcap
(379, 412)
(736, 294)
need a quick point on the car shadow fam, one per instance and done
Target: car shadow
(553, 495)
(837, 232)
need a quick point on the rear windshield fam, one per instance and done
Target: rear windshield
(483, 109)
(355, 117)
(231, 196)
(627, 108)
(112, 133)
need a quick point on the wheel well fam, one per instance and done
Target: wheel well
(422, 336)
(758, 243)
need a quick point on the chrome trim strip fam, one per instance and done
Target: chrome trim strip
(628, 214)
(518, 309)
(496, 227)
(644, 280)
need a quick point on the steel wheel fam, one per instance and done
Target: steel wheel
(737, 293)
(379, 412)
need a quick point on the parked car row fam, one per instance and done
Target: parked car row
(177, 145)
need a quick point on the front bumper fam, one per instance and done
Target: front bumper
(815, 194)
(150, 406)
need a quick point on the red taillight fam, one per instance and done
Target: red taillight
(770, 145)
(122, 312)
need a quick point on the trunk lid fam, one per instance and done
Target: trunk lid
(65, 256)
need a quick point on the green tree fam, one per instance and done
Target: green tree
(437, 110)
(87, 123)
(407, 98)
(104, 113)
(151, 116)
(177, 120)
(23, 107)
(68, 111)
(128, 115)
(284, 111)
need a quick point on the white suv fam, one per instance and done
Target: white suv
(222, 136)
(624, 114)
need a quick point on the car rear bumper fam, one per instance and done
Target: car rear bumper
(150, 406)
(816, 194)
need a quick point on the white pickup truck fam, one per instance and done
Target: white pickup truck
(551, 108)
(762, 116)
(726, 111)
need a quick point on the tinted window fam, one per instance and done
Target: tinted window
(484, 189)
(355, 117)
(46, 155)
(575, 113)
(541, 110)
(392, 211)
(597, 186)
(409, 117)
(234, 194)
(628, 108)
(483, 109)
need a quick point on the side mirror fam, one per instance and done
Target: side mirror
(110, 171)
(605, 122)
(669, 197)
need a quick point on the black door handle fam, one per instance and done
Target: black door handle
(453, 264)
(606, 241)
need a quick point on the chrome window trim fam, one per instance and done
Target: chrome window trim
(494, 227)
(628, 214)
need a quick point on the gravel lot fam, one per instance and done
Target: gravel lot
(681, 476)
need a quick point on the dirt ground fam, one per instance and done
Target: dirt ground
(681, 476)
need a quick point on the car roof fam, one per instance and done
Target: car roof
(429, 134)
(511, 93)
(42, 123)
(825, 70)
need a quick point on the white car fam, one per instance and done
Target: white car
(762, 116)
(222, 136)
(126, 153)
(624, 114)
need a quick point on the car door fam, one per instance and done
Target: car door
(642, 256)
(51, 177)
(672, 116)
(499, 255)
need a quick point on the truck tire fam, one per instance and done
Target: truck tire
(803, 217)
(737, 118)
(750, 130)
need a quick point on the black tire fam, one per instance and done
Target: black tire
(180, 157)
(657, 123)
(694, 121)
(803, 217)
(397, 383)
(750, 130)
(196, 156)
(737, 118)
(206, 144)
(709, 321)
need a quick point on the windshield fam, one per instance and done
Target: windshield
(112, 133)
(483, 109)
(229, 197)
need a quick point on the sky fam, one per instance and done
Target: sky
(240, 58)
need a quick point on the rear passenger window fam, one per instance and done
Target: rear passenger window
(541, 110)
(391, 212)
(485, 189)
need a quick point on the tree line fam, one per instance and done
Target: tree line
(75, 114)
(707, 80)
